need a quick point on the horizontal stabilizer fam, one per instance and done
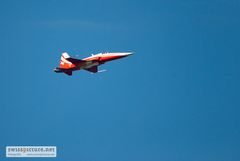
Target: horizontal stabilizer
(68, 72)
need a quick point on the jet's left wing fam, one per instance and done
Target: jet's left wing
(93, 69)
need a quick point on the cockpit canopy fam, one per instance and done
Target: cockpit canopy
(99, 54)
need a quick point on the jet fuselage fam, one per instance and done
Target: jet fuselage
(68, 64)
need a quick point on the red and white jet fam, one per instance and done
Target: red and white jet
(69, 64)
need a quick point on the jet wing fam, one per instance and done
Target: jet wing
(93, 69)
(75, 61)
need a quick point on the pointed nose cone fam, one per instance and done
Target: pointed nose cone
(125, 54)
(114, 56)
(129, 53)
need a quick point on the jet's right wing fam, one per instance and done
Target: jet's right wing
(93, 69)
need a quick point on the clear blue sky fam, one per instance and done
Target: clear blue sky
(176, 99)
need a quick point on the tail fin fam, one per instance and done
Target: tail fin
(65, 55)
(64, 63)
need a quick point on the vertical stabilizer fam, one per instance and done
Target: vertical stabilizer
(64, 63)
(65, 55)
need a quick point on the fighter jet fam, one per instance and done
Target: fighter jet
(69, 64)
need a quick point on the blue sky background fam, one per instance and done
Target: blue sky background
(176, 99)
